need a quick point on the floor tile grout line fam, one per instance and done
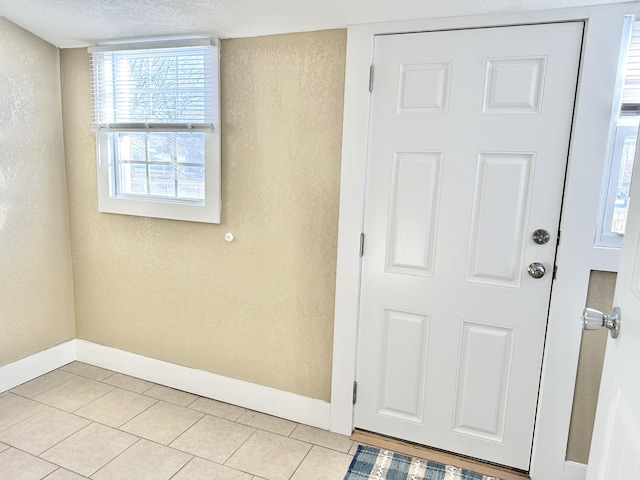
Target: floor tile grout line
(34, 399)
(302, 461)
(31, 455)
(239, 447)
(194, 400)
(235, 420)
(126, 421)
(44, 391)
(269, 433)
(183, 467)
(47, 406)
(153, 384)
(117, 456)
(98, 398)
(119, 427)
(139, 439)
(26, 418)
(294, 429)
(65, 438)
(184, 432)
(168, 403)
(84, 376)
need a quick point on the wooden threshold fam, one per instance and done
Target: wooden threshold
(410, 449)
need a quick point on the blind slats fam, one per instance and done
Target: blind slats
(154, 88)
(631, 86)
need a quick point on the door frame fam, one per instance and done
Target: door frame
(576, 255)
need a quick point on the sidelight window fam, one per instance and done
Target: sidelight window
(622, 144)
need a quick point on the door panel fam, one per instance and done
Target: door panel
(405, 336)
(514, 86)
(483, 381)
(468, 143)
(424, 87)
(414, 207)
(500, 209)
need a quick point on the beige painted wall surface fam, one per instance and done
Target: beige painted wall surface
(599, 296)
(36, 295)
(260, 308)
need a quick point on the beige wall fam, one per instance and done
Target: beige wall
(36, 296)
(600, 296)
(260, 308)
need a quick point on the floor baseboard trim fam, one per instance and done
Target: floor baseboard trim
(28, 368)
(279, 403)
(574, 471)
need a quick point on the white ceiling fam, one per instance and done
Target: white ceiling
(77, 23)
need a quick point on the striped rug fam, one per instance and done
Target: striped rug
(371, 463)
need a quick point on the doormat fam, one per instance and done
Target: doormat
(371, 463)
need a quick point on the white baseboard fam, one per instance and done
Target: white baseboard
(291, 406)
(574, 471)
(25, 369)
(279, 403)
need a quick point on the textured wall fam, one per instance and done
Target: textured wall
(599, 296)
(36, 296)
(260, 308)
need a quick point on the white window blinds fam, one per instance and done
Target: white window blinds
(631, 87)
(164, 86)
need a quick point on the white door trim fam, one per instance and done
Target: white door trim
(576, 253)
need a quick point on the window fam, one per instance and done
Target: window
(622, 144)
(157, 125)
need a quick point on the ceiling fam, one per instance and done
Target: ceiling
(77, 23)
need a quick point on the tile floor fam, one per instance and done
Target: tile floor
(82, 421)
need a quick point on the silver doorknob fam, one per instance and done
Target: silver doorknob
(536, 270)
(593, 319)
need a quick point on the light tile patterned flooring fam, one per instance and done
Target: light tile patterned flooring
(82, 421)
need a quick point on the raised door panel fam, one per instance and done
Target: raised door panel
(514, 86)
(483, 379)
(499, 216)
(415, 190)
(403, 365)
(424, 87)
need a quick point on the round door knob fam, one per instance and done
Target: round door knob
(593, 319)
(536, 270)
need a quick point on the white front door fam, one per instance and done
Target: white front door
(615, 445)
(468, 144)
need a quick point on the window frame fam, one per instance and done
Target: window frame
(205, 211)
(604, 237)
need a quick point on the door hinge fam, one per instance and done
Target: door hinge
(361, 244)
(558, 242)
(371, 78)
(555, 272)
(355, 392)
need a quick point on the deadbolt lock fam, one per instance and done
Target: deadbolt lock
(540, 236)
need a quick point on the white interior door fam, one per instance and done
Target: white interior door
(615, 445)
(468, 144)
